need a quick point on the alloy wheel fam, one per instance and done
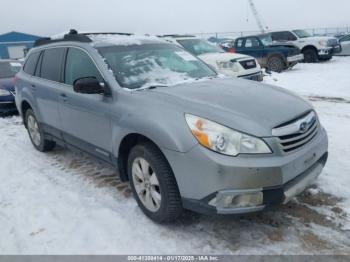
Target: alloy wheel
(34, 131)
(146, 184)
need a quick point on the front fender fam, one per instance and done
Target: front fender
(170, 133)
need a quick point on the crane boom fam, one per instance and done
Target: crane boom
(257, 17)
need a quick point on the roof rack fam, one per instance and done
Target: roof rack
(176, 35)
(73, 35)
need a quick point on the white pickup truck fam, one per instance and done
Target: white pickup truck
(229, 64)
(314, 48)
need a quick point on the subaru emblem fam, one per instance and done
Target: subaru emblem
(303, 127)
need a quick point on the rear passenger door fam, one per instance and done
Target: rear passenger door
(85, 117)
(46, 87)
(253, 47)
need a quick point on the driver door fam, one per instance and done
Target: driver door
(85, 117)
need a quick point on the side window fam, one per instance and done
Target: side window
(52, 63)
(248, 43)
(278, 36)
(31, 62)
(79, 65)
(289, 36)
(283, 36)
(239, 43)
(38, 66)
(252, 42)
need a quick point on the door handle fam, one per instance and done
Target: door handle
(33, 87)
(63, 97)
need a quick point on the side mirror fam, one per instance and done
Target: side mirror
(88, 85)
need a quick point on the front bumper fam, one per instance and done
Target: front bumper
(295, 58)
(337, 49)
(255, 77)
(203, 175)
(7, 105)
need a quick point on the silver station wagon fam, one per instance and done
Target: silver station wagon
(183, 136)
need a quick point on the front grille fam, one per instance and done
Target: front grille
(248, 64)
(7, 105)
(298, 133)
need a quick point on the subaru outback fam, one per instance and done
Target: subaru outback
(183, 136)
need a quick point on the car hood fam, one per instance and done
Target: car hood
(243, 105)
(213, 57)
(318, 38)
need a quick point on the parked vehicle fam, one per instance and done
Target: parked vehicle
(314, 48)
(237, 65)
(273, 56)
(184, 137)
(228, 46)
(8, 70)
(344, 41)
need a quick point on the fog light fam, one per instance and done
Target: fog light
(248, 200)
(234, 199)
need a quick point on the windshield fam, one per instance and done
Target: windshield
(9, 69)
(266, 40)
(137, 66)
(301, 33)
(199, 46)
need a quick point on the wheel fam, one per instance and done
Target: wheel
(153, 183)
(36, 134)
(310, 56)
(275, 64)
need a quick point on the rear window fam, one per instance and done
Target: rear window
(239, 43)
(52, 64)
(30, 64)
(9, 69)
(252, 42)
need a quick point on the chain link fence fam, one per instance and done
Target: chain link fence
(327, 31)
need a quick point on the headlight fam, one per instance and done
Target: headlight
(4, 92)
(224, 140)
(227, 65)
(323, 43)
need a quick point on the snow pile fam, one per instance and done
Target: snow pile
(121, 40)
(330, 79)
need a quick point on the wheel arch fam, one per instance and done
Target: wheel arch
(126, 144)
(276, 54)
(25, 105)
(309, 47)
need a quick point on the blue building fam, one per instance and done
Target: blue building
(14, 45)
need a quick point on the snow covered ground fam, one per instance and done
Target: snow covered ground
(68, 203)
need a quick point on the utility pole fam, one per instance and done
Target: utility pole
(258, 19)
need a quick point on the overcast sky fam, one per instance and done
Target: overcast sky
(45, 17)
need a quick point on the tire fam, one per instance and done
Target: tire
(275, 64)
(36, 133)
(310, 56)
(164, 201)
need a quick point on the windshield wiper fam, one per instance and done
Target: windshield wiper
(151, 86)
